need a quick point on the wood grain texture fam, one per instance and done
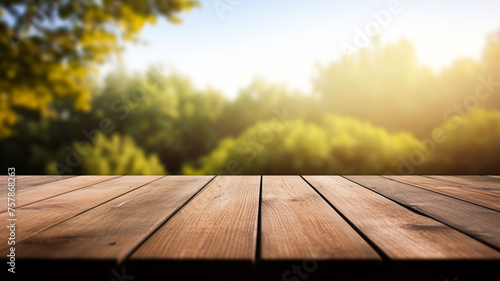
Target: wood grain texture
(490, 184)
(298, 224)
(25, 182)
(488, 178)
(114, 229)
(474, 220)
(220, 222)
(470, 193)
(41, 192)
(42, 215)
(400, 233)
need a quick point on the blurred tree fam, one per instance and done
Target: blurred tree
(201, 131)
(385, 85)
(39, 141)
(491, 54)
(169, 118)
(491, 60)
(114, 155)
(341, 145)
(263, 101)
(49, 47)
(366, 86)
(472, 145)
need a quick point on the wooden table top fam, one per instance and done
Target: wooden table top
(255, 227)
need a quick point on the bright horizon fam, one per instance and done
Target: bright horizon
(281, 41)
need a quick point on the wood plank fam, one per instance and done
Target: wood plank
(400, 233)
(48, 190)
(489, 178)
(30, 181)
(298, 224)
(485, 183)
(25, 182)
(42, 215)
(474, 220)
(219, 223)
(473, 194)
(114, 229)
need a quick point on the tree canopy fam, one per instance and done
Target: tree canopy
(338, 145)
(372, 113)
(49, 48)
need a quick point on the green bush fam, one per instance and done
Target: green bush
(471, 146)
(166, 115)
(114, 155)
(340, 145)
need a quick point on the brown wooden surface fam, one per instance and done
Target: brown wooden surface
(114, 229)
(188, 221)
(39, 216)
(485, 183)
(474, 220)
(219, 223)
(298, 224)
(48, 190)
(400, 233)
(476, 194)
(25, 182)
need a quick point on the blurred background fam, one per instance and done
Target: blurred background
(250, 87)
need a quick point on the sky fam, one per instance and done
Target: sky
(225, 44)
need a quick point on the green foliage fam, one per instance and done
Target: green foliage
(262, 101)
(472, 145)
(49, 48)
(340, 145)
(39, 142)
(114, 155)
(49, 107)
(386, 86)
(491, 60)
(165, 115)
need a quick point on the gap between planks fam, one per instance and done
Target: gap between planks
(297, 224)
(481, 223)
(49, 190)
(475, 194)
(219, 223)
(114, 229)
(400, 233)
(42, 215)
